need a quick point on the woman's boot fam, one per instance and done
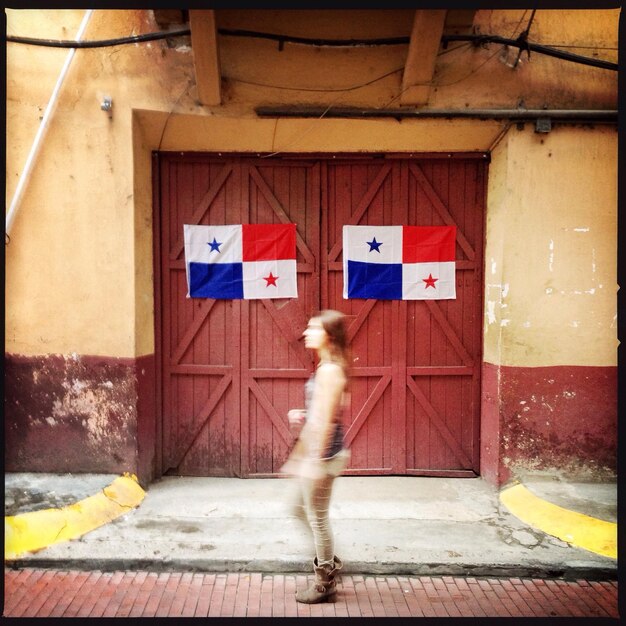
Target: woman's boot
(324, 586)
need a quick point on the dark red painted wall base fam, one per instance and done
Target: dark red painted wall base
(561, 418)
(95, 414)
(79, 414)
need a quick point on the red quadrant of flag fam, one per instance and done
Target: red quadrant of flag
(268, 242)
(428, 244)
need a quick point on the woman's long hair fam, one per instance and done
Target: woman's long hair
(334, 323)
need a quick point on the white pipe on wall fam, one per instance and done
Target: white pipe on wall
(43, 126)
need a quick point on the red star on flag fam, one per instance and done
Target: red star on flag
(271, 280)
(430, 281)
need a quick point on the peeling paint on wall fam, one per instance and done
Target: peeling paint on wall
(557, 418)
(551, 256)
(502, 291)
(593, 260)
(70, 413)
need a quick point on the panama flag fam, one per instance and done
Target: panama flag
(399, 262)
(241, 261)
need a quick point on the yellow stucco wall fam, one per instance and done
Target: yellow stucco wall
(550, 258)
(79, 264)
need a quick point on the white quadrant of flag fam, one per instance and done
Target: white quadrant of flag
(373, 244)
(270, 279)
(428, 281)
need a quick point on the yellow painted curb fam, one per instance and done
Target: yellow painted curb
(577, 529)
(29, 532)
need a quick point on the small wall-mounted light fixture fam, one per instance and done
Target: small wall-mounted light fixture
(107, 105)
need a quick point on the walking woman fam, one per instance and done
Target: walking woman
(319, 455)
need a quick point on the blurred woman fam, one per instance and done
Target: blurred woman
(320, 455)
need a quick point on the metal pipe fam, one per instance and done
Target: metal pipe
(608, 116)
(43, 126)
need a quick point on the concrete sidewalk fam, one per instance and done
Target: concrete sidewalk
(383, 525)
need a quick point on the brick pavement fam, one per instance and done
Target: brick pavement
(33, 592)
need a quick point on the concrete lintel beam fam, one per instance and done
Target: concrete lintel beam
(423, 49)
(205, 56)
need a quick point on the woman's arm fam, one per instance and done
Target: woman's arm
(330, 381)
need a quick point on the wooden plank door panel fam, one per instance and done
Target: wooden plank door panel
(198, 342)
(444, 337)
(275, 363)
(361, 192)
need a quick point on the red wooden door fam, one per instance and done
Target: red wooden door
(415, 406)
(230, 370)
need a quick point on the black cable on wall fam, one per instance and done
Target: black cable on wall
(478, 40)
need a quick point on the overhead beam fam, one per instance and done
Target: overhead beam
(205, 56)
(423, 49)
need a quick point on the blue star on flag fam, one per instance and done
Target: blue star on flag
(215, 245)
(375, 245)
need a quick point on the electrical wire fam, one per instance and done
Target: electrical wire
(500, 136)
(55, 43)
(312, 126)
(328, 108)
(559, 45)
(474, 71)
(169, 115)
(299, 137)
(524, 38)
(477, 39)
(281, 39)
(533, 47)
(100, 43)
(340, 89)
(320, 43)
(521, 19)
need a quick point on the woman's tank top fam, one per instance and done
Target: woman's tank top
(336, 442)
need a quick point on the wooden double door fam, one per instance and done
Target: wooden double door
(229, 370)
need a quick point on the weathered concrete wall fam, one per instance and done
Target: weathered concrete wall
(551, 272)
(70, 413)
(79, 264)
(550, 333)
(84, 185)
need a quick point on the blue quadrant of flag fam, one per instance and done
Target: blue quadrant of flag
(382, 281)
(217, 280)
